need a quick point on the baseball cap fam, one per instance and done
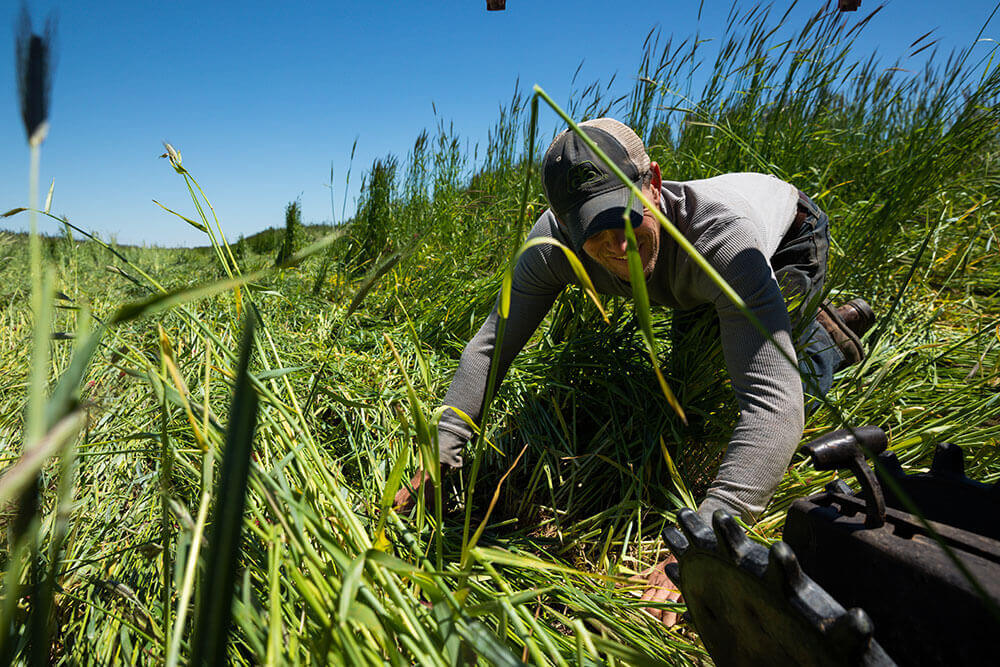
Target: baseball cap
(583, 192)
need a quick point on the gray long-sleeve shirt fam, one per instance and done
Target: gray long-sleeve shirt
(736, 221)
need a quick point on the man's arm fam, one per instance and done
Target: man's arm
(538, 278)
(768, 388)
(540, 274)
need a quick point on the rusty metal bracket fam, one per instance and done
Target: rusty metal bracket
(846, 448)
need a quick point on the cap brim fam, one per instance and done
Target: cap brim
(606, 211)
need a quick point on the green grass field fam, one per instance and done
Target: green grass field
(119, 541)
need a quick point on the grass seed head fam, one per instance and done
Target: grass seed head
(174, 156)
(34, 60)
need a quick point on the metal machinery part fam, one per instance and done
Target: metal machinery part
(754, 606)
(867, 551)
(945, 494)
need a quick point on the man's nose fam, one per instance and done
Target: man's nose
(618, 239)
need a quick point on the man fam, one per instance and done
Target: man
(763, 236)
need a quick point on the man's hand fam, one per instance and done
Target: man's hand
(659, 588)
(406, 498)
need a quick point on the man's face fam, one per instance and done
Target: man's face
(607, 247)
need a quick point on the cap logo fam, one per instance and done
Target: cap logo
(581, 175)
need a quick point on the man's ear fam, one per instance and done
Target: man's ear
(657, 180)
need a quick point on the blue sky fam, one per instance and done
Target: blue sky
(261, 97)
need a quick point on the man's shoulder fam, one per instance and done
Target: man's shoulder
(542, 267)
(737, 205)
(735, 190)
(547, 225)
(737, 181)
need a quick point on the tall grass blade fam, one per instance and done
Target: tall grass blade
(211, 633)
(23, 474)
(637, 280)
(194, 223)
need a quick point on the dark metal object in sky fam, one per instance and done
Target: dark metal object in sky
(496, 5)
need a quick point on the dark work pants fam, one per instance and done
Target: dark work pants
(800, 267)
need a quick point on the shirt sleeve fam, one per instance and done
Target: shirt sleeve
(539, 276)
(767, 385)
